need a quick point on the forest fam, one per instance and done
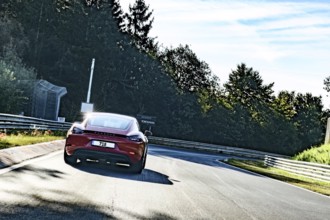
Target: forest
(135, 74)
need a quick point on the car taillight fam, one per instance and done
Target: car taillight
(135, 138)
(76, 130)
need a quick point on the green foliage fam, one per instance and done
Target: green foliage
(16, 79)
(12, 37)
(284, 104)
(189, 73)
(315, 154)
(326, 83)
(246, 87)
(119, 16)
(284, 124)
(308, 120)
(139, 22)
(96, 3)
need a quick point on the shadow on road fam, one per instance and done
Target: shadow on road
(198, 157)
(44, 174)
(42, 203)
(147, 175)
(47, 208)
(58, 204)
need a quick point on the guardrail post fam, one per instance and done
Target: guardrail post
(327, 133)
(266, 160)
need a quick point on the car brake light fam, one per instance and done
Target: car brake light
(76, 130)
(135, 138)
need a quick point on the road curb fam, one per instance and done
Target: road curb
(15, 155)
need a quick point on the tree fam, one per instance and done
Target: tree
(97, 3)
(267, 125)
(12, 35)
(16, 79)
(189, 73)
(326, 83)
(126, 80)
(284, 103)
(139, 24)
(16, 83)
(119, 15)
(308, 119)
(246, 86)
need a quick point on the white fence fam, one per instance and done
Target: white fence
(313, 170)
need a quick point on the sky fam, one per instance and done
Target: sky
(287, 42)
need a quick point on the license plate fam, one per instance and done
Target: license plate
(103, 144)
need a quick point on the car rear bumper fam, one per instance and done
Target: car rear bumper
(126, 151)
(112, 158)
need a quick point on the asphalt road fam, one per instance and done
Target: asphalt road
(176, 184)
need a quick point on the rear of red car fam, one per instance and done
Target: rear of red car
(109, 138)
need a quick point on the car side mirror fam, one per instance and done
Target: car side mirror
(147, 133)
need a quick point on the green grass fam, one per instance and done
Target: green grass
(316, 154)
(304, 182)
(21, 139)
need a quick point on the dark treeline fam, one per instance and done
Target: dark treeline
(56, 41)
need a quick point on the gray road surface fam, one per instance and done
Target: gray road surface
(176, 184)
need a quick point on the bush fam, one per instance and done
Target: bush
(316, 155)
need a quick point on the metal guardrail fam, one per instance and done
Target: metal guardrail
(17, 122)
(312, 170)
(213, 148)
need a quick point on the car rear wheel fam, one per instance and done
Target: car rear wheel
(144, 161)
(71, 160)
(139, 166)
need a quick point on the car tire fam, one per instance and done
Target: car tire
(144, 161)
(139, 166)
(71, 160)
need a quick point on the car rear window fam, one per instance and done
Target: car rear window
(109, 122)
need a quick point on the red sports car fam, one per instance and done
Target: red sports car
(110, 138)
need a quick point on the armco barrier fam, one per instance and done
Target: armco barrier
(212, 148)
(313, 170)
(17, 122)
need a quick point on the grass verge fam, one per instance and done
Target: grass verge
(22, 139)
(304, 182)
